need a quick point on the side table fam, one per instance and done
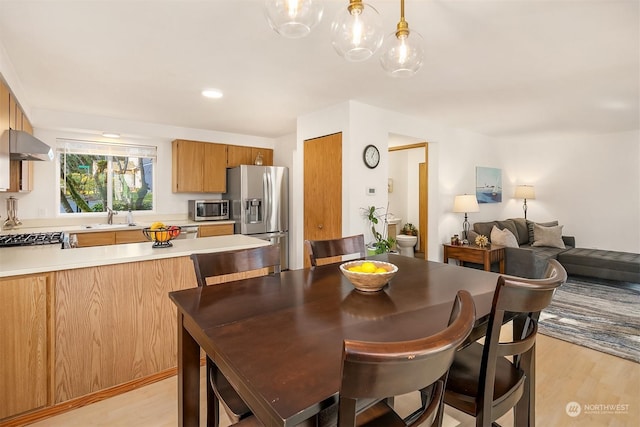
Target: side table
(476, 254)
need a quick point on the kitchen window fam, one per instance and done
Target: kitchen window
(94, 176)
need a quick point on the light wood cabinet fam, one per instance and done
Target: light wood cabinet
(115, 324)
(215, 230)
(20, 172)
(4, 141)
(24, 354)
(130, 236)
(98, 238)
(267, 155)
(239, 155)
(198, 167)
(104, 238)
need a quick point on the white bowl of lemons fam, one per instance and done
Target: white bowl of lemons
(368, 275)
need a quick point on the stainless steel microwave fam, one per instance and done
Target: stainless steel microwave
(208, 210)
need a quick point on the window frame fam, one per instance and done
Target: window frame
(109, 150)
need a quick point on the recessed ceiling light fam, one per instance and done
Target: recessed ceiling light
(212, 93)
(110, 135)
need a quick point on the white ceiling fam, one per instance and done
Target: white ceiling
(501, 68)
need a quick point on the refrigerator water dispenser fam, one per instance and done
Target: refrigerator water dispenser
(253, 208)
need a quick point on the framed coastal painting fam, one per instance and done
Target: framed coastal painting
(488, 185)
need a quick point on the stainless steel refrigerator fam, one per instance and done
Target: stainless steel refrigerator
(259, 198)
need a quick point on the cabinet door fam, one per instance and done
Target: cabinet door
(24, 355)
(238, 155)
(20, 172)
(130, 236)
(215, 230)
(99, 238)
(187, 172)
(4, 148)
(215, 159)
(267, 155)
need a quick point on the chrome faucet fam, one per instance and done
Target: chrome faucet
(110, 214)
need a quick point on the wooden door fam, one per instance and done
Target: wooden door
(423, 189)
(322, 189)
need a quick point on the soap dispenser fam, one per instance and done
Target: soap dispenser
(130, 218)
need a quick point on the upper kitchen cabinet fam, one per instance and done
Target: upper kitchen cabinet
(266, 153)
(198, 167)
(4, 137)
(239, 155)
(15, 176)
(20, 171)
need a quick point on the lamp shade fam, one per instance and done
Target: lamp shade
(466, 203)
(525, 192)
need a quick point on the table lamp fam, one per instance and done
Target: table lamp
(463, 204)
(525, 192)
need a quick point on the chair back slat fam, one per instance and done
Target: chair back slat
(215, 264)
(332, 248)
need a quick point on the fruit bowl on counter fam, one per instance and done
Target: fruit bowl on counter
(368, 275)
(161, 235)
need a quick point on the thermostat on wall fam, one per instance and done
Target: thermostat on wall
(371, 191)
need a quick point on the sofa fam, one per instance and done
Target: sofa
(535, 243)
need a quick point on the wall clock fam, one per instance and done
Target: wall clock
(371, 156)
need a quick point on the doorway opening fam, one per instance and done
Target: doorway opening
(409, 189)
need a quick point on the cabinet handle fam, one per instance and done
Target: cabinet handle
(320, 226)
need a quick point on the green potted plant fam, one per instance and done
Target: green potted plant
(382, 243)
(409, 229)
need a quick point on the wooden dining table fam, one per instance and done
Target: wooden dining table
(278, 338)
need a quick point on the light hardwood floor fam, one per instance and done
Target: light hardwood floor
(565, 373)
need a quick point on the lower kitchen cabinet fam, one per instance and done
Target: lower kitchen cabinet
(24, 349)
(215, 230)
(115, 324)
(98, 238)
(130, 236)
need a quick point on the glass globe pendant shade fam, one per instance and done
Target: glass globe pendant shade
(293, 18)
(402, 53)
(356, 32)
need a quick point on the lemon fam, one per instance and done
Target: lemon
(356, 268)
(380, 270)
(368, 267)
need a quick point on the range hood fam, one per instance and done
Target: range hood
(23, 146)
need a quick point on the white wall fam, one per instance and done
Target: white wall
(42, 202)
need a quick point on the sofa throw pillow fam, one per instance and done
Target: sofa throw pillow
(522, 229)
(503, 238)
(544, 224)
(548, 236)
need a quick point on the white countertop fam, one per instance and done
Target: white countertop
(86, 228)
(15, 261)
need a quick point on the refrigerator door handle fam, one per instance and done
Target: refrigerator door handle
(268, 196)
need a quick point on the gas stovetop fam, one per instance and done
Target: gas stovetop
(30, 239)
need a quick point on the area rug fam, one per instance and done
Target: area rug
(600, 316)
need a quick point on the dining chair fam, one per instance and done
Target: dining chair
(483, 381)
(378, 371)
(216, 265)
(332, 248)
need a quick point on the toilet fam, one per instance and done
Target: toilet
(405, 244)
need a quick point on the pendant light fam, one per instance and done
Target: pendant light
(356, 33)
(403, 50)
(293, 18)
